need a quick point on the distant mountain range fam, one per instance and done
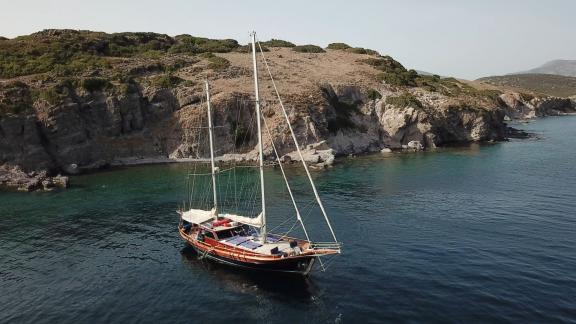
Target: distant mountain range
(557, 67)
(556, 78)
(554, 85)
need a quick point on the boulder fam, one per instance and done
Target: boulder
(415, 145)
(61, 181)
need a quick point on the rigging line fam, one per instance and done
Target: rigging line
(247, 182)
(291, 228)
(199, 136)
(196, 136)
(298, 217)
(298, 146)
(280, 225)
(239, 106)
(203, 198)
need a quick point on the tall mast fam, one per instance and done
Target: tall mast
(260, 147)
(211, 136)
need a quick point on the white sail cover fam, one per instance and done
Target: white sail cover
(198, 216)
(253, 221)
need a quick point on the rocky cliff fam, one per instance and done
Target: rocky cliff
(142, 106)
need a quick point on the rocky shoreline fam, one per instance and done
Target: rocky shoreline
(317, 156)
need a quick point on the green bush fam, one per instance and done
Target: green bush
(385, 64)
(277, 43)
(195, 45)
(397, 79)
(338, 46)
(218, 63)
(184, 48)
(404, 100)
(166, 81)
(373, 94)
(308, 49)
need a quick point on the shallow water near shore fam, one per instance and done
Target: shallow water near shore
(476, 234)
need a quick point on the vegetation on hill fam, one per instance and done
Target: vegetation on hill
(338, 46)
(361, 50)
(216, 63)
(406, 99)
(348, 48)
(277, 43)
(67, 52)
(308, 49)
(166, 81)
(395, 74)
(67, 60)
(554, 85)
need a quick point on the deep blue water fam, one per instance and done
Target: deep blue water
(475, 234)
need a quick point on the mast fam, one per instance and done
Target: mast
(260, 147)
(211, 136)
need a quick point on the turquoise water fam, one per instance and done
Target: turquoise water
(474, 234)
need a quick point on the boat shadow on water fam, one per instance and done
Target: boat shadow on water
(274, 284)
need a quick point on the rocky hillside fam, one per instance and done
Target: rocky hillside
(543, 84)
(78, 100)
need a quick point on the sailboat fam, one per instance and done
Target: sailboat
(244, 241)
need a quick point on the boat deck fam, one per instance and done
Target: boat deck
(254, 244)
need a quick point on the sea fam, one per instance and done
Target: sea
(471, 234)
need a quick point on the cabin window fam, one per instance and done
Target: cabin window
(209, 234)
(225, 234)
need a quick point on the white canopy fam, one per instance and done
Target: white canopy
(198, 216)
(254, 221)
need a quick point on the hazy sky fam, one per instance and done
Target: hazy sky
(467, 39)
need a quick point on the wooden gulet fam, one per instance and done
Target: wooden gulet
(245, 241)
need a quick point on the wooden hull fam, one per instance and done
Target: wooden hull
(301, 264)
(301, 267)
